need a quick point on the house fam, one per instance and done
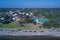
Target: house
(40, 21)
(27, 14)
(11, 12)
(15, 17)
(31, 15)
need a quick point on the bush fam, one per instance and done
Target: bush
(34, 23)
(51, 24)
(5, 22)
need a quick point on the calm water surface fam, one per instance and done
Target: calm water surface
(29, 38)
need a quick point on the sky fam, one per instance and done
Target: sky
(29, 3)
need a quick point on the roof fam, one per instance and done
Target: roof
(40, 19)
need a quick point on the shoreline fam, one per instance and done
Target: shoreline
(28, 37)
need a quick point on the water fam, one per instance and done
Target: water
(30, 38)
(40, 19)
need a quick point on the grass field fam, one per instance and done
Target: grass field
(14, 25)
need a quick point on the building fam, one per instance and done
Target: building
(11, 12)
(40, 21)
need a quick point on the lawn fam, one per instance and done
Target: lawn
(14, 25)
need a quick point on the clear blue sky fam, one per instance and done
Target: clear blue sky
(29, 3)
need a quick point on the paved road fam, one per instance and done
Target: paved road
(16, 32)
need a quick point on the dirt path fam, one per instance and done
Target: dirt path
(35, 27)
(32, 26)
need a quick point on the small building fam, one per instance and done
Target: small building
(11, 12)
(27, 14)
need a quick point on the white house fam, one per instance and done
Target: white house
(27, 14)
(11, 12)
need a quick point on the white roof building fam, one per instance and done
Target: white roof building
(10, 12)
(13, 19)
(2, 18)
(14, 15)
(27, 14)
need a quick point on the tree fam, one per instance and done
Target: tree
(51, 24)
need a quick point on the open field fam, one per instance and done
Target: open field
(14, 25)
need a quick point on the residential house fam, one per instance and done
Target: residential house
(27, 14)
(11, 12)
(31, 14)
(15, 16)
